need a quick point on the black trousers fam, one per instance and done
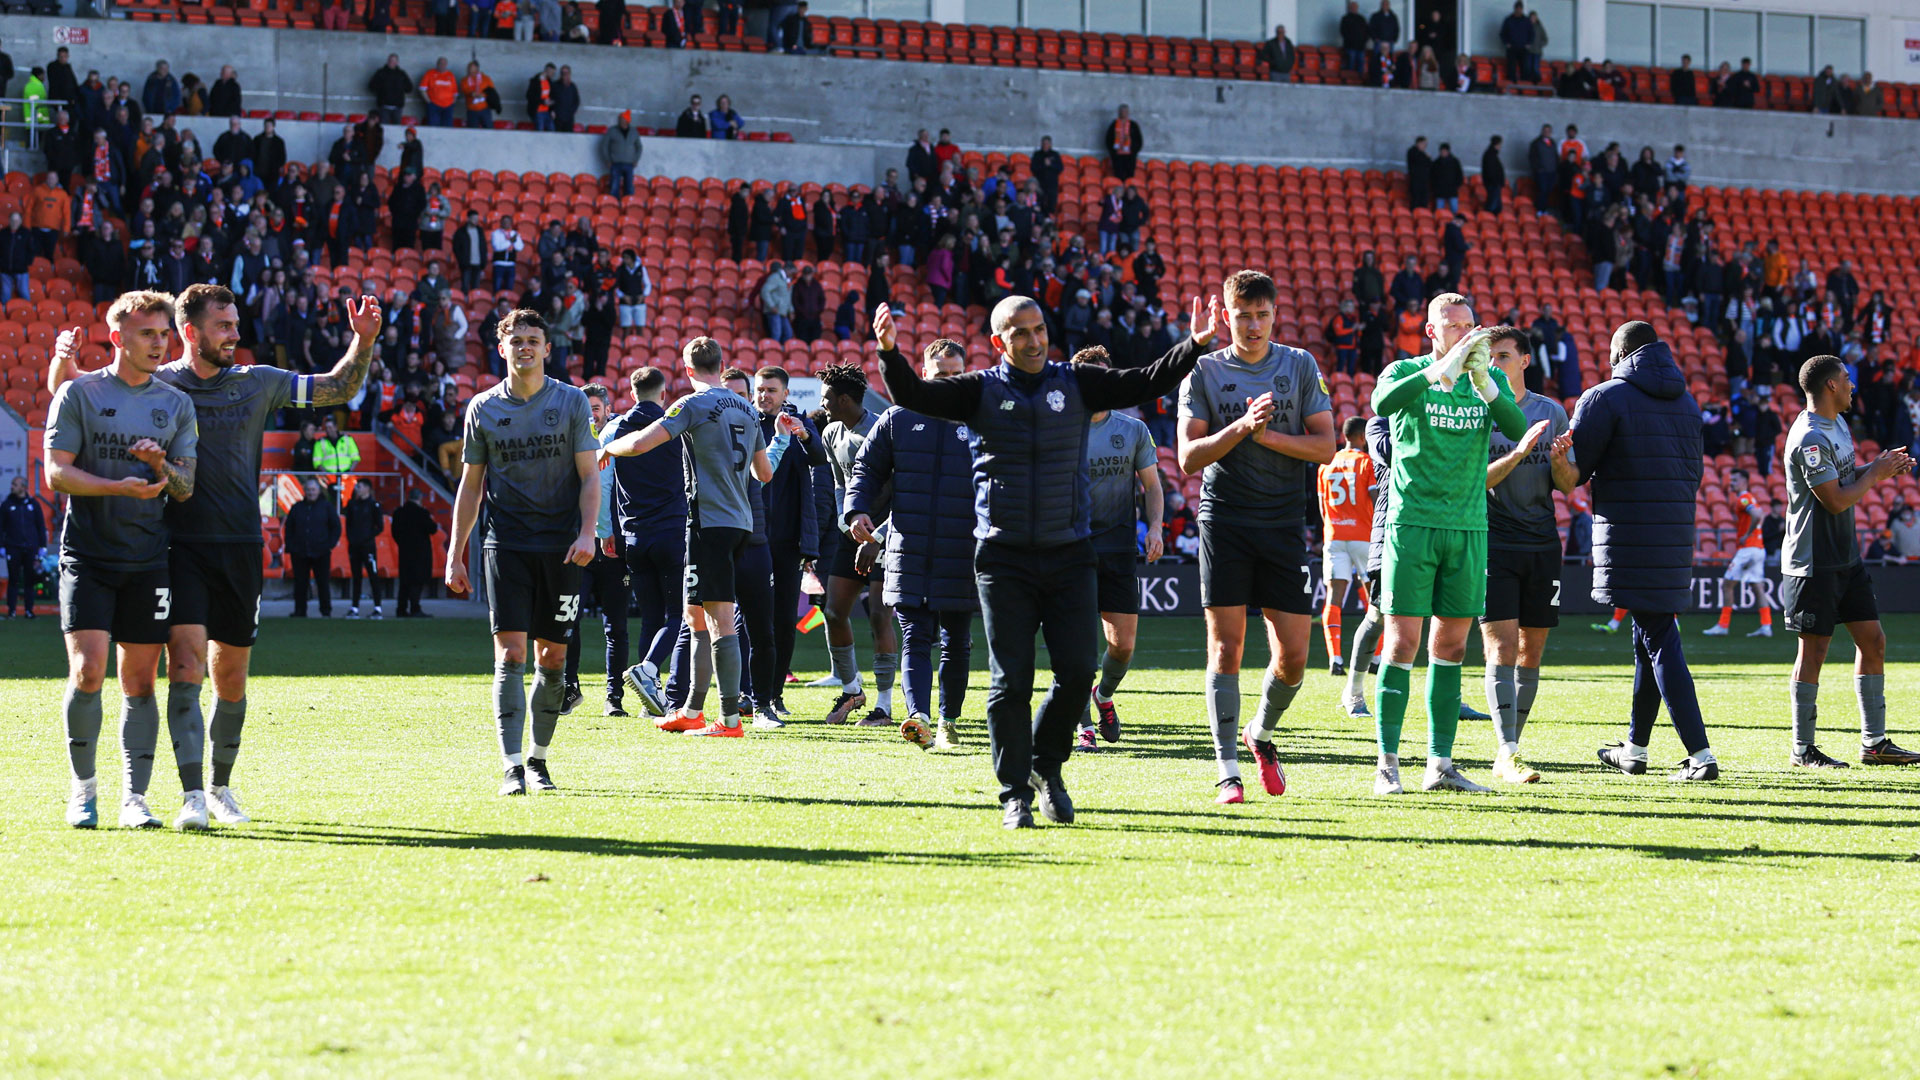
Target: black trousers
(360, 559)
(1024, 591)
(921, 629)
(786, 603)
(753, 597)
(606, 580)
(657, 568)
(315, 567)
(22, 573)
(414, 568)
(1660, 673)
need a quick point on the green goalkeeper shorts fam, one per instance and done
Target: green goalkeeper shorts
(1434, 572)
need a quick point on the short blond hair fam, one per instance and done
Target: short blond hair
(140, 302)
(1444, 301)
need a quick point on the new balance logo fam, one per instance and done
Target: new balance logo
(505, 421)
(106, 412)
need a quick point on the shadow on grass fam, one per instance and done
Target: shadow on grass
(295, 832)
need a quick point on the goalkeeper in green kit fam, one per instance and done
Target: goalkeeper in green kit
(1440, 408)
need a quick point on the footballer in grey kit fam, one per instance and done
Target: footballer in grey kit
(1120, 461)
(530, 452)
(119, 445)
(1523, 541)
(1257, 418)
(720, 434)
(852, 565)
(1823, 581)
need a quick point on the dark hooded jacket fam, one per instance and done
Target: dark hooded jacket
(1637, 437)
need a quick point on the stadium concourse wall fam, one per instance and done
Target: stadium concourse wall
(878, 104)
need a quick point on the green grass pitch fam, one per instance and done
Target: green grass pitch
(832, 902)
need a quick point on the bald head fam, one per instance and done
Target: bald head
(1631, 338)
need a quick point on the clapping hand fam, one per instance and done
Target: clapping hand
(1210, 307)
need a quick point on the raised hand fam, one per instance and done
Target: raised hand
(66, 355)
(1210, 307)
(1895, 462)
(364, 318)
(883, 332)
(1562, 445)
(1532, 437)
(790, 424)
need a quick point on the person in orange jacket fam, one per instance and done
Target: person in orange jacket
(49, 213)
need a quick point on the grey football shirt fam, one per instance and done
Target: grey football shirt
(843, 448)
(1253, 485)
(533, 487)
(234, 409)
(1118, 447)
(1520, 509)
(720, 433)
(96, 417)
(1818, 450)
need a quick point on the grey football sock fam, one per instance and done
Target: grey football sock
(1365, 636)
(1526, 688)
(1806, 711)
(510, 707)
(1111, 672)
(1500, 703)
(1275, 696)
(1223, 716)
(702, 671)
(187, 727)
(549, 694)
(139, 735)
(1872, 691)
(845, 667)
(884, 666)
(726, 667)
(83, 730)
(223, 737)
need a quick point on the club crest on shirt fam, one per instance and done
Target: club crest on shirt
(1056, 401)
(1812, 454)
(1119, 441)
(961, 430)
(233, 393)
(1281, 385)
(160, 418)
(551, 417)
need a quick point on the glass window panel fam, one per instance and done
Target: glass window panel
(849, 8)
(1683, 32)
(1789, 45)
(1483, 26)
(1115, 16)
(1558, 17)
(1630, 33)
(1176, 18)
(1842, 43)
(899, 9)
(1053, 14)
(1736, 35)
(1319, 21)
(1243, 20)
(992, 12)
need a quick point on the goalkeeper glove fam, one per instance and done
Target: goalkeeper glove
(1446, 371)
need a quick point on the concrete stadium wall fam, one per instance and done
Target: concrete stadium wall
(879, 104)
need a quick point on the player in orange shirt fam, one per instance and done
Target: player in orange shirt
(1749, 565)
(1346, 509)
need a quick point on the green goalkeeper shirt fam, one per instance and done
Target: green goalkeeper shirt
(1440, 442)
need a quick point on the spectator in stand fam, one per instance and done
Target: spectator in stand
(440, 88)
(1743, 87)
(471, 251)
(1870, 98)
(692, 122)
(506, 244)
(412, 529)
(673, 24)
(269, 153)
(939, 269)
(621, 147)
(478, 94)
(1410, 331)
(404, 207)
(1045, 166)
(23, 535)
(1369, 285)
(106, 261)
(776, 302)
(633, 286)
(479, 18)
(1454, 248)
(1343, 333)
(1682, 83)
(1448, 178)
(739, 217)
(1427, 70)
(540, 97)
(224, 98)
(761, 224)
(922, 162)
(17, 252)
(50, 214)
(1123, 143)
(1826, 92)
(308, 535)
(1493, 176)
(1543, 161)
(1353, 39)
(365, 521)
(1516, 33)
(1612, 83)
(1279, 54)
(723, 122)
(809, 306)
(1384, 27)
(161, 95)
(1409, 285)
(854, 229)
(796, 32)
(611, 28)
(1419, 176)
(826, 225)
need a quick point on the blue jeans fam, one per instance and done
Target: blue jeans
(479, 21)
(1353, 59)
(480, 118)
(920, 628)
(543, 121)
(439, 115)
(906, 255)
(13, 287)
(1543, 184)
(779, 327)
(1673, 287)
(620, 181)
(855, 250)
(1602, 275)
(1452, 204)
(1108, 241)
(502, 277)
(1494, 195)
(1660, 673)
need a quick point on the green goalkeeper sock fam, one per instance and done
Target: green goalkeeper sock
(1390, 702)
(1443, 706)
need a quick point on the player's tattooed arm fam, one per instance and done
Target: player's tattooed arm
(337, 387)
(177, 474)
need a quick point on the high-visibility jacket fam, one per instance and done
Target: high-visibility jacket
(336, 456)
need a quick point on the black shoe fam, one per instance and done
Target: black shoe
(572, 699)
(1691, 770)
(1018, 816)
(1880, 753)
(614, 709)
(1615, 755)
(32, 615)
(780, 708)
(1051, 793)
(1337, 668)
(514, 782)
(538, 778)
(1812, 758)
(298, 615)
(423, 614)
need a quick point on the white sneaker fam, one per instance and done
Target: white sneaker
(948, 737)
(1765, 631)
(353, 613)
(83, 805)
(193, 811)
(1386, 780)
(224, 804)
(134, 813)
(767, 721)
(1356, 708)
(823, 682)
(1714, 631)
(376, 611)
(1448, 779)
